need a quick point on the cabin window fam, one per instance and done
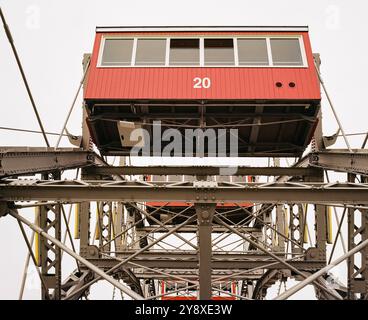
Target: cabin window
(117, 52)
(242, 51)
(184, 52)
(219, 52)
(150, 52)
(252, 52)
(286, 52)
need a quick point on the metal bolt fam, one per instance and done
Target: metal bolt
(205, 214)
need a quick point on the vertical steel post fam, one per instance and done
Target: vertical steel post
(296, 224)
(50, 222)
(104, 209)
(205, 214)
(118, 221)
(357, 263)
(321, 229)
(280, 227)
(84, 208)
(320, 221)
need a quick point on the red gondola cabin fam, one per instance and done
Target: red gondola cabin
(261, 80)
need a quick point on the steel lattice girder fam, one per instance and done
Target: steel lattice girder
(197, 192)
(341, 160)
(201, 170)
(191, 229)
(31, 160)
(193, 276)
(176, 260)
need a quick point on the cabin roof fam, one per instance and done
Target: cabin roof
(102, 29)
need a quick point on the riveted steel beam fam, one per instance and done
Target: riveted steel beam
(176, 261)
(200, 170)
(341, 160)
(191, 229)
(197, 192)
(15, 161)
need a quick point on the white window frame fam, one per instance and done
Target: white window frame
(102, 46)
(148, 65)
(302, 49)
(201, 54)
(236, 53)
(235, 65)
(201, 51)
(269, 51)
(268, 48)
(134, 52)
(167, 53)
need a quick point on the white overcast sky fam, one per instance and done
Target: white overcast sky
(52, 36)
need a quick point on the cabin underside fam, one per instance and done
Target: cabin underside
(265, 128)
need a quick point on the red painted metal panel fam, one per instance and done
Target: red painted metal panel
(226, 82)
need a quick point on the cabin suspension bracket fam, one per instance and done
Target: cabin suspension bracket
(4, 208)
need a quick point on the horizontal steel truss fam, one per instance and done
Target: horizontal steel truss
(192, 275)
(39, 159)
(197, 192)
(191, 229)
(182, 260)
(195, 115)
(201, 170)
(341, 160)
(14, 164)
(15, 161)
